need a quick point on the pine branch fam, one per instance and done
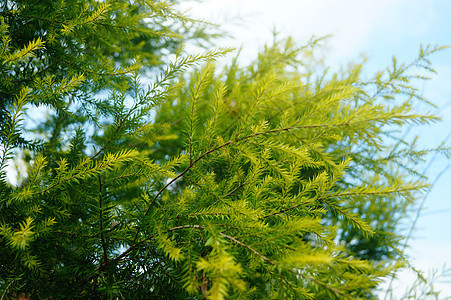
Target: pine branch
(237, 140)
(12, 125)
(332, 289)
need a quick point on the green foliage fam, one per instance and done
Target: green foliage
(271, 181)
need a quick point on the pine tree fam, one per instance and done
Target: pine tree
(271, 181)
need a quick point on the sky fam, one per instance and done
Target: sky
(378, 30)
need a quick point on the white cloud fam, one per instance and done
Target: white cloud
(349, 21)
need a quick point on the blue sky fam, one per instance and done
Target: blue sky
(379, 30)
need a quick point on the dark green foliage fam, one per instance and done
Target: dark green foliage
(270, 181)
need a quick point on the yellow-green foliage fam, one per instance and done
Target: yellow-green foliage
(276, 180)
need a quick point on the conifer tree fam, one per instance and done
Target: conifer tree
(275, 180)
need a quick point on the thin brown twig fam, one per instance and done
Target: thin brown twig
(102, 236)
(6, 289)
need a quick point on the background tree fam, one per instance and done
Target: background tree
(274, 180)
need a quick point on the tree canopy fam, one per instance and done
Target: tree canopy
(157, 174)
